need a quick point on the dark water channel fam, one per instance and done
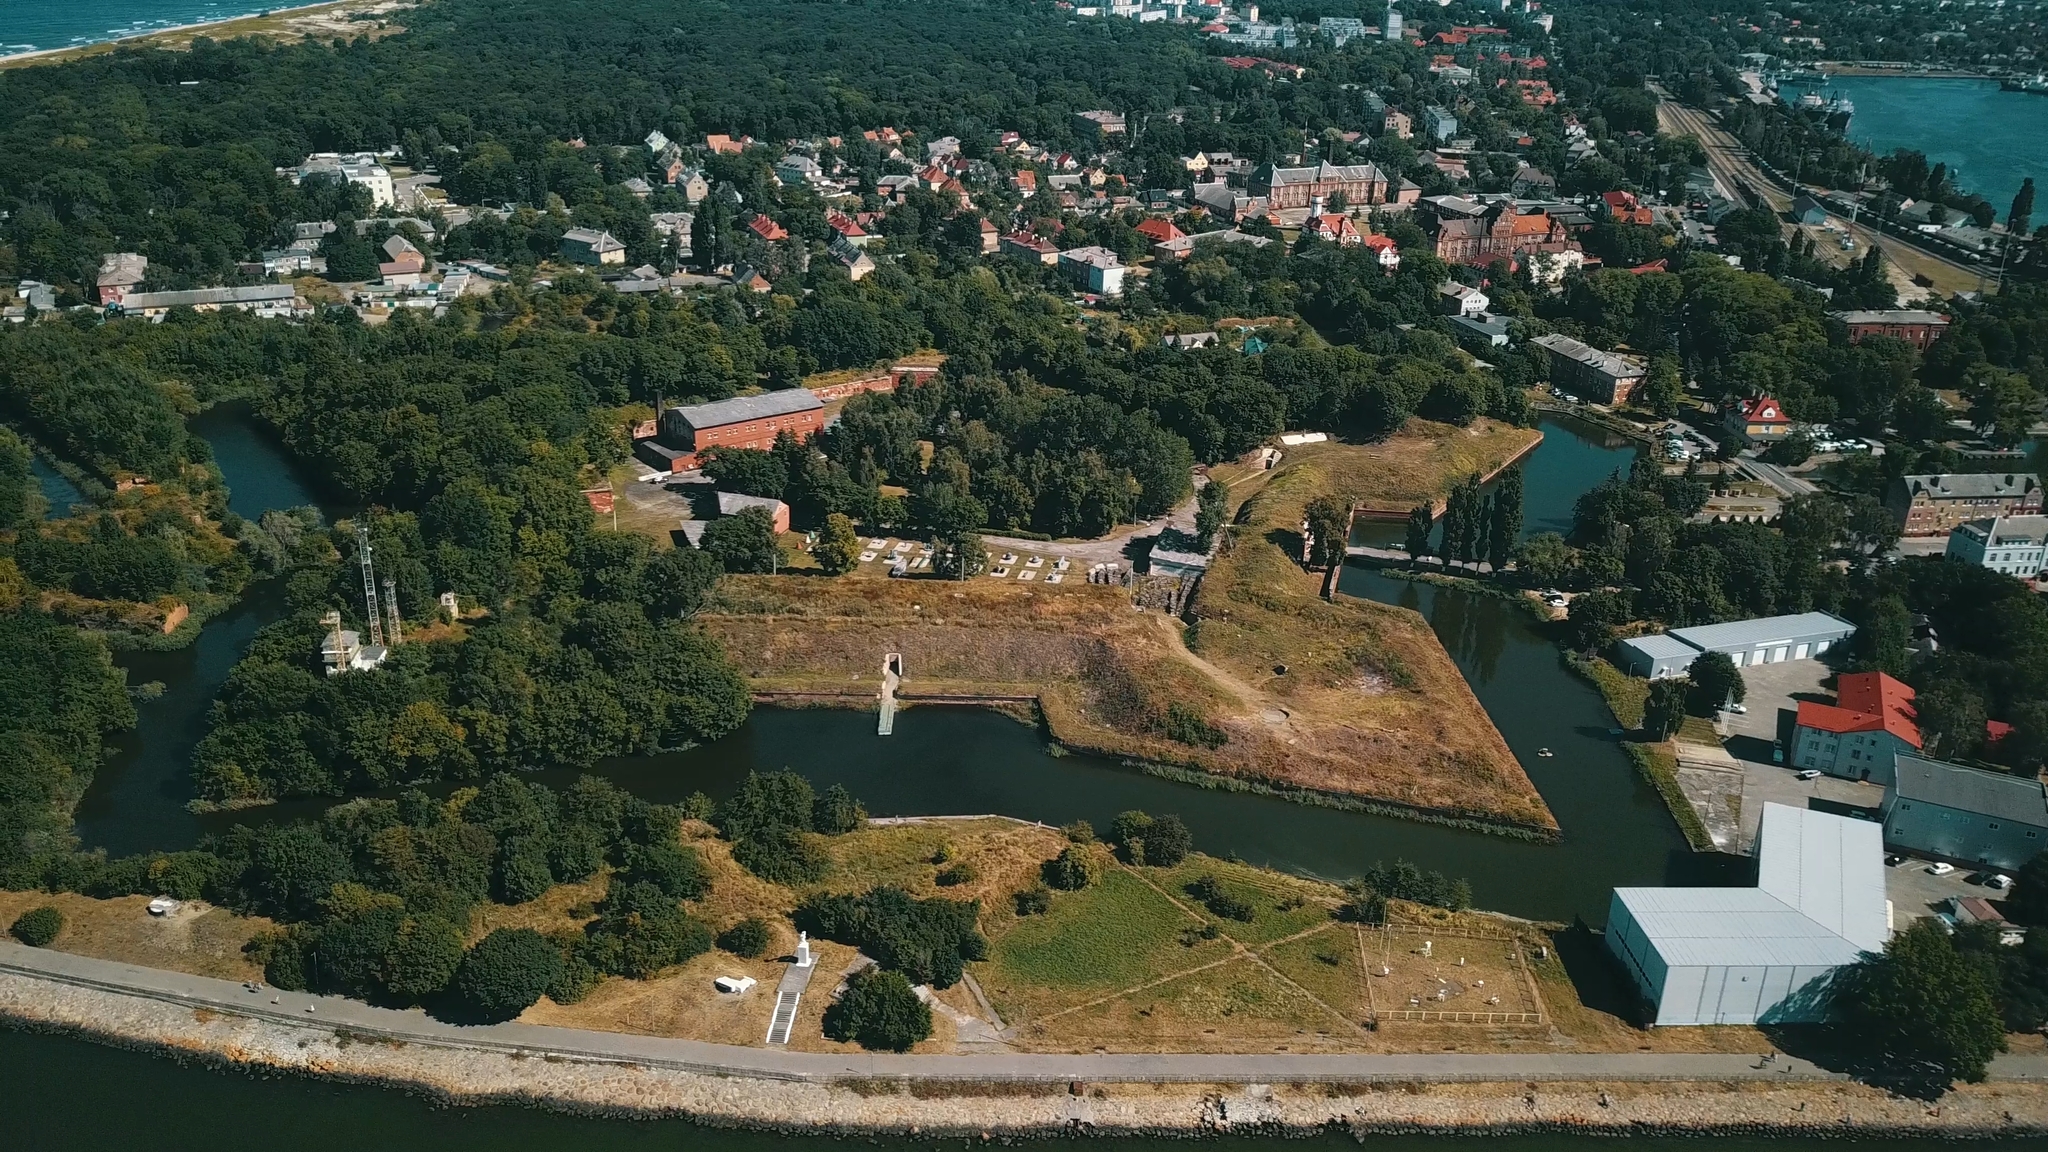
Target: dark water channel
(55, 487)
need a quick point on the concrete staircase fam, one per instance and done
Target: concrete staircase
(785, 1015)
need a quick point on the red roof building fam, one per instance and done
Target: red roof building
(1759, 420)
(1157, 230)
(1389, 252)
(1623, 208)
(1860, 735)
(1334, 227)
(766, 229)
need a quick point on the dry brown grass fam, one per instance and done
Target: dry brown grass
(198, 938)
(1370, 706)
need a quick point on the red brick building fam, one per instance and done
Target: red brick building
(1501, 233)
(1912, 325)
(1361, 184)
(741, 422)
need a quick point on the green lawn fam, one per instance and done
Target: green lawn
(1111, 935)
(1264, 891)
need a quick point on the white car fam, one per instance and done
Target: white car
(1739, 709)
(1810, 774)
(1999, 882)
(1940, 868)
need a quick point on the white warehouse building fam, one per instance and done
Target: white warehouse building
(1765, 640)
(1762, 955)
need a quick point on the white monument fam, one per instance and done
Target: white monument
(804, 959)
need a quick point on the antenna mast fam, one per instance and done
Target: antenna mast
(373, 613)
(391, 609)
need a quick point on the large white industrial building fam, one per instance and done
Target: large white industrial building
(1765, 954)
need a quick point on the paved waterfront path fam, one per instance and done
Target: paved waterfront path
(292, 1008)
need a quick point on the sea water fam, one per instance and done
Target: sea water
(1992, 139)
(35, 25)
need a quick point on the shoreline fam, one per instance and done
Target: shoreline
(859, 1093)
(51, 55)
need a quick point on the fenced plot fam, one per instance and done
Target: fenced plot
(1415, 974)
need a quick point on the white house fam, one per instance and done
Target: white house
(363, 168)
(2014, 545)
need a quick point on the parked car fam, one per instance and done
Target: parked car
(1998, 882)
(1739, 709)
(1778, 752)
(1940, 868)
(1894, 860)
(1809, 774)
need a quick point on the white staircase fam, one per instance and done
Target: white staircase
(785, 1016)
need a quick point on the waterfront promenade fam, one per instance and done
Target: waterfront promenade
(363, 1022)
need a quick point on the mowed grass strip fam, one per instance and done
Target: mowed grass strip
(1326, 964)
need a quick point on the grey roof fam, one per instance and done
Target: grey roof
(593, 239)
(741, 409)
(255, 294)
(1607, 362)
(1819, 900)
(1764, 631)
(1972, 485)
(1972, 790)
(1486, 324)
(1277, 176)
(2006, 531)
(1891, 316)
(1660, 646)
(734, 503)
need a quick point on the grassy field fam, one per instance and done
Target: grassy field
(198, 938)
(1370, 707)
(1368, 687)
(1625, 694)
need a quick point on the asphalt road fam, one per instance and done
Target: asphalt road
(416, 1028)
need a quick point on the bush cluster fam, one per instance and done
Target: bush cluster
(879, 1011)
(767, 818)
(1404, 881)
(928, 940)
(1073, 869)
(37, 926)
(1219, 901)
(1162, 842)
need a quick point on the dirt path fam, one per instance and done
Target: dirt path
(1257, 705)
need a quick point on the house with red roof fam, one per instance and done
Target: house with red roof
(760, 225)
(1158, 230)
(1389, 252)
(1759, 420)
(1860, 736)
(848, 229)
(1335, 227)
(1623, 208)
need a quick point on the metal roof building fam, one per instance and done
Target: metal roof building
(1764, 954)
(1766, 640)
(1969, 815)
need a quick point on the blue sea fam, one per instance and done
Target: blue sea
(30, 25)
(1994, 139)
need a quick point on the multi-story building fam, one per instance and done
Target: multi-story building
(1094, 269)
(1501, 233)
(1914, 326)
(2014, 545)
(1297, 187)
(120, 274)
(1442, 125)
(361, 168)
(591, 246)
(1025, 246)
(1097, 124)
(1588, 373)
(1935, 505)
(1862, 734)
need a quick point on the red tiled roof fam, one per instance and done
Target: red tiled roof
(1159, 230)
(1865, 702)
(767, 229)
(1764, 410)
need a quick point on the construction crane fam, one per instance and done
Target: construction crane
(373, 613)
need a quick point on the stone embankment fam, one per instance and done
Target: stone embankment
(614, 1074)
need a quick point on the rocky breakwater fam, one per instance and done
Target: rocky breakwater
(621, 1075)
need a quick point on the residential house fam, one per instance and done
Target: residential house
(590, 246)
(760, 225)
(1158, 230)
(1094, 269)
(856, 262)
(1624, 208)
(1935, 505)
(2014, 545)
(734, 503)
(1462, 299)
(1972, 816)
(692, 184)
(750, 279)
(1181, 248)
(1025, 181)
(799, 169)
(724, 145)
(1189, 340)
(1808, 211)
(1389, 253)
(1533, 181)
(1758, 420)
(1590, 374)
(1399, 123)
(1915, 326)
(991, 236)
(848, 229)
(1861, 735)
(1334, 227)
(120, 274)
(640, 188)
(1025, 246)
